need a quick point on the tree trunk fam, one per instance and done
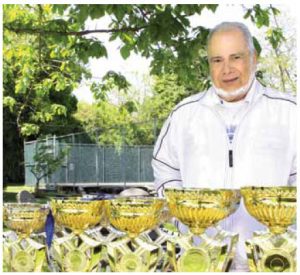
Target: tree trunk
(37, 188)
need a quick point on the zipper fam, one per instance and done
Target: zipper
(228, 176)
(229, 146)
(230, 156)
(249, 108)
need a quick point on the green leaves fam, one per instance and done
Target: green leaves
(21, 85)
(275, 37)
(82, 13)
(37, 67)
(96, 49)
(60, 9)
(9, 102)
(86, 48)
(125, 51)
(212, 7)
(112, 79)
(96, 11)
(58, 109)
(257, 46)
(29, 129)
(260, 16)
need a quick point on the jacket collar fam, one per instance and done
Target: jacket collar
(210, 98)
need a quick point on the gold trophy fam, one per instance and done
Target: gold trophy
(76, 251)
(26, 253)
(134, 215)
(273, 250)
(199, 209)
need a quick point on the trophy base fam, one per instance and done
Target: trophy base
(189, 253)
(133, 255)
(23, 255)
(76, 253)
(268, 252)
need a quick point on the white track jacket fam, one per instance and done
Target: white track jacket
(193, 150)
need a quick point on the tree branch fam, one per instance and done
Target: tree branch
(281, 70)
(79, 33)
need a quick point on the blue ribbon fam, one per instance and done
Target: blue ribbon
(49, 228)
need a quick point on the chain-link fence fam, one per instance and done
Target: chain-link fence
(92, 165)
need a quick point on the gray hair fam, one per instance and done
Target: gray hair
(227, 26)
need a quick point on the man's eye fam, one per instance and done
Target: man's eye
(237, 57)
(217, 60)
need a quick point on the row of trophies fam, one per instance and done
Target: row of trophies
(125, 234)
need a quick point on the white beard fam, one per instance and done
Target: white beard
(235, 94)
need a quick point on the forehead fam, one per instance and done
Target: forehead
(227, 42)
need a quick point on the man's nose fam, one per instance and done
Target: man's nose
(227, 67)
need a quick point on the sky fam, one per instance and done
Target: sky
(135, 67)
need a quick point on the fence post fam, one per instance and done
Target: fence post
(47, 177)
(35, 151)
(103, 166)
(54, 145)
(97, 164)
(24, 156)
(123, 170)
(67, 167)
(139, 163)
(74, 163)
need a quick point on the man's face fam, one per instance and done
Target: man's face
(230, 60)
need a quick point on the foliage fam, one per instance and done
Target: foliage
(61, 45)
(106, 123)
(59, 42)
(46, 162)
(111, 80)
(278, 67)
(129, 121)
(38, 79)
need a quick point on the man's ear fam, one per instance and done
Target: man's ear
(255, 58)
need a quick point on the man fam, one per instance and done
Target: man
(237, 133)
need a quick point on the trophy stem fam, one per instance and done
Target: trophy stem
(197, 230)
(277, 229)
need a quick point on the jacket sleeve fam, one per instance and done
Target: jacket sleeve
(165, 158)
(293, 174)
(293, 170)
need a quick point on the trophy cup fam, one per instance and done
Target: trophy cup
(275, 249)
(26, 253)
(134, 215)
(200, 209)
(76, 250)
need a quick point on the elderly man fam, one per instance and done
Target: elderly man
(235, 134)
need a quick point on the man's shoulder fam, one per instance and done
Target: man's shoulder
(279, 97)
(189, 102)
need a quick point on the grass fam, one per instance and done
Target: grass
(10, 193)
